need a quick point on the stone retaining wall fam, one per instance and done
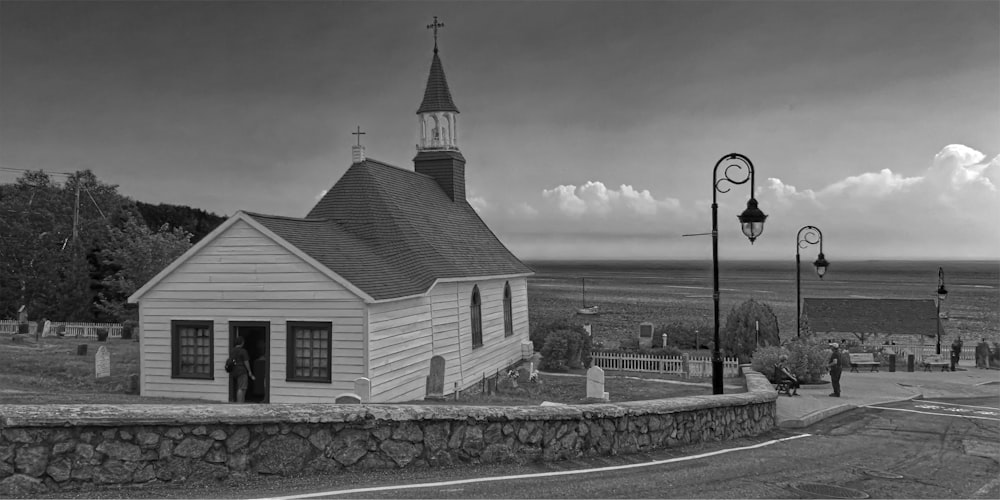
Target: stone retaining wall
(52, 447)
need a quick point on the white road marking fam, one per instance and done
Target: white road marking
(535, 475)
(956, 404)
(930, 413)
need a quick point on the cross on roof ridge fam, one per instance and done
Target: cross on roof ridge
(359, 133)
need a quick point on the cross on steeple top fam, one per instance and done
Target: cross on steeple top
(435, 25)
(359, 133)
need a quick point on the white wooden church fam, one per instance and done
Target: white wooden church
(390, 268)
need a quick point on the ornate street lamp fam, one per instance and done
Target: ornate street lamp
(942, 294)
(811, 236)
(752, 222)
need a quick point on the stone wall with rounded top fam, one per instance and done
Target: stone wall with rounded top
(49, 448)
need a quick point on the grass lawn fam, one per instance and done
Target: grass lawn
(51, 372)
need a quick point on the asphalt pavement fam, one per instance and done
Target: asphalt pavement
(864, 387)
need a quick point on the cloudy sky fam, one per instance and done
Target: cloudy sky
(591, 129)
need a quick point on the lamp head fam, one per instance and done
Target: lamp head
(821, 265)
(752, 220)
(942, 293)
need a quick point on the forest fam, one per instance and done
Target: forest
(74, 250)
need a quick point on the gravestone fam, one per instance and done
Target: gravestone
(435, 381)
(22, 314)
(102, 363)
(595, 383)
(363, 388)
(586, 328)
(47, 329)
(645, 334)
(347, 399)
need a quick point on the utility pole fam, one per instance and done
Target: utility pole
(76, 210)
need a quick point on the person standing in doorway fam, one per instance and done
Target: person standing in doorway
(834, 366)
(242, 369)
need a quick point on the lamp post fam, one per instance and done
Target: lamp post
(752, 222)
(811, 236)
(942, 294)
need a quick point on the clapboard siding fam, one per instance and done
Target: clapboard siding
(399, 348)
(242, 275)
(497, 351)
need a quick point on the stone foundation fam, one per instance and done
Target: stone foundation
(55, 448)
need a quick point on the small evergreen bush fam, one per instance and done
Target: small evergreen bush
(555, 351)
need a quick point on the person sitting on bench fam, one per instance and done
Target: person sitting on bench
(783, 375)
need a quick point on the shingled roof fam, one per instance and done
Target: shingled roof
(882, 316)
(393, 232)
(437, 97)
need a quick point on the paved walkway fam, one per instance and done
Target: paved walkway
(865, 388)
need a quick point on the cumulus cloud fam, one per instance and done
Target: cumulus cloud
(951, 205)
(479, 204)
(594, 198)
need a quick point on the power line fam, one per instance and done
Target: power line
(24, 170)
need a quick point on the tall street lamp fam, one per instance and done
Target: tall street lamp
(752, 222)
(811, 236)
(942, 294)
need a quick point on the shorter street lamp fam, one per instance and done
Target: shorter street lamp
(942, 294)
(811, 236)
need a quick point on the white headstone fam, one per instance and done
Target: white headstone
(595, 383)
(363, 388)
(586, 328)
(47, 329)
(102, 363)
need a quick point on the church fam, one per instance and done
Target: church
(391, 268)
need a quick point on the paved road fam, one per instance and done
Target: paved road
(911, 449)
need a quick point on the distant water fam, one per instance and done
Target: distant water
(961, 273)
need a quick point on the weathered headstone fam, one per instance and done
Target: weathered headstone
(47, 329)
(22, 314)
(586, 328)
(102, 363)
(595, 383)
(527, 347)
(363, 388)
(435, 381)
(645, 334)
(347, 399)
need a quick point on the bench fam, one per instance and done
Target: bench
(863, 358)
(935, 360)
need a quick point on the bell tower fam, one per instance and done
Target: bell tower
(437, 152)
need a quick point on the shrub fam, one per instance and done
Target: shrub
(739, 337)
(566, 349)
(764, 359)
(555, 351)
(807, 358)
(541, 330)
(683, 335)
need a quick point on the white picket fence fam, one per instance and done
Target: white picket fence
(679, 365)
(920, 350)
(82, 330)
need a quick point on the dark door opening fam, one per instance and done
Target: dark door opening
(256, 339)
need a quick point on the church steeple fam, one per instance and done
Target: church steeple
(437, 153)
(438, 115)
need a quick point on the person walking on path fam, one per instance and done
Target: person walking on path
(834, 366)
(983, 354)
(241, 370)
(956, 351)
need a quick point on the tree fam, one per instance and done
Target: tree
(740, 335)
(137, 254)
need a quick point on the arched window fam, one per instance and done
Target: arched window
(508, 312)
(476, 315)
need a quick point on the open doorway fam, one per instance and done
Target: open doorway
(256, 339)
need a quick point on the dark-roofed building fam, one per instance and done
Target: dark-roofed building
(873, 320)
(391, 268)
